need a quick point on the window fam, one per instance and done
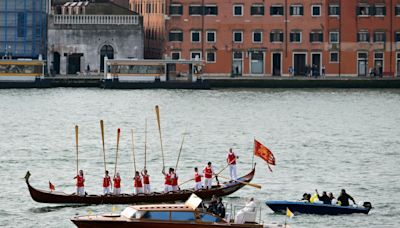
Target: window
(238, 36)
(175, 10)
(175, 55)
(21, 26)
(316, 37)
(363, 10)
(333, 37)
(333, 57)
(397, 37)
(276, 10)
(211, 10)
(238, 10)
(296, 10)
(397, 11)
(195, 36)
(379, 37)
(157, 215)
(257, 37)
(211, 36)
(295, 37)
(363, 36)
(380, 10)
(276, 36)
(195, 55)
(257, 10)
(175, 36)
(238, 55)
(211, 57)
(334, 10)
(316, 10)
(195, 10)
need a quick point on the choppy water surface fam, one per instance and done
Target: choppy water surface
(325, 139)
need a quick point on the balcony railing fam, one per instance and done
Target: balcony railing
(96, 19)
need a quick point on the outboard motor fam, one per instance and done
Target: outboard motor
(367, 205)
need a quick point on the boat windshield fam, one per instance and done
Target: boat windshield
(156, 215)
(209, 218)
(182, 216)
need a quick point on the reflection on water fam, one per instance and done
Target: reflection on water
(322, 139)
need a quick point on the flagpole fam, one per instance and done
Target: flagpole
(252, 158)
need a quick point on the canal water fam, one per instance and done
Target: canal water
(322, 139)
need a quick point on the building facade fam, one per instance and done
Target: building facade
(82, 34)
(286, 37)
(23, 28)
(153, 13)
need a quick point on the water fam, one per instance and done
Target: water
(324, 139)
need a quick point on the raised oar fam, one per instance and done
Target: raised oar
(77, 146)
(159, 131)
(180, 150)
(102, 140)
(116, 153)
(186, 182)
(145, 143)
(133, 152)
(242, 182)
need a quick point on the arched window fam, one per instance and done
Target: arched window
(108, 51)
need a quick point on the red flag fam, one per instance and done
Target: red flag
(264, 153)
(51, 186)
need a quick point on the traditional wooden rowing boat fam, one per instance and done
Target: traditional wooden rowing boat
(226, 188)
(316, 208)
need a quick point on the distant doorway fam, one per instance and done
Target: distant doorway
(299, 63)
(276, 64)
(316, 64)
(74, 63)
(257, 62)
(362, 64)
(108, 51)
(237, 63)
(56, 63)
(398, 64)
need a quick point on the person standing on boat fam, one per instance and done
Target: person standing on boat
(146, 182)
(324, 198)
(197, 179)
(137, 184)
(168, 180)
(117, 184)
(343, 198)
(231, 160)
(174, 184)
(106, 184)
(208, 173)
(80, 184)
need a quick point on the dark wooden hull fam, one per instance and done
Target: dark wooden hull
(226, 188)
(314, 208)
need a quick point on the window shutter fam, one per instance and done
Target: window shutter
(372, 10)
(291, 10)
(358, 37)
(311, 37)
(216, 11)
(338, 10)
(368, 37)
(291, 37)
(321, 37)
(358, 11)
(270, 11)
(181, 10)
(271, 37)
(180, 36)
(301, 10)
(281, 36)
(384, 37)
(384, 11)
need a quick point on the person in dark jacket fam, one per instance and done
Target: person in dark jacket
(220, 208)
(324, 198)
(343, 198)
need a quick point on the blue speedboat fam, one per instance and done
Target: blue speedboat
(316, 208)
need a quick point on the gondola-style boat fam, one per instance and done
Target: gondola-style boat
(164, 216)
(226, 188)
(317, 208)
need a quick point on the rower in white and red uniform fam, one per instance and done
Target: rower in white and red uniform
(208, 173)
(106, 184)
(137, 184)
(174, 183)
(117, 184)
(80, 184)
(146, 182)
(168, 180)
(231, 160)
(197, 179)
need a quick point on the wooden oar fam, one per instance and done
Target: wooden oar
(77, 146)
(186, 182)
(133, 152)
(145, 143)
(116, 153)
(180, 150)
(102, 140)
(159, 131)
(242, 182)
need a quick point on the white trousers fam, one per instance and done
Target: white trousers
(207, 183)
(146, 188)
(198, 186)
(167, 188)
(175, 188)
(116, 191)
(137, 190)
(106, 190)
(232, 172)
(80, 191)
